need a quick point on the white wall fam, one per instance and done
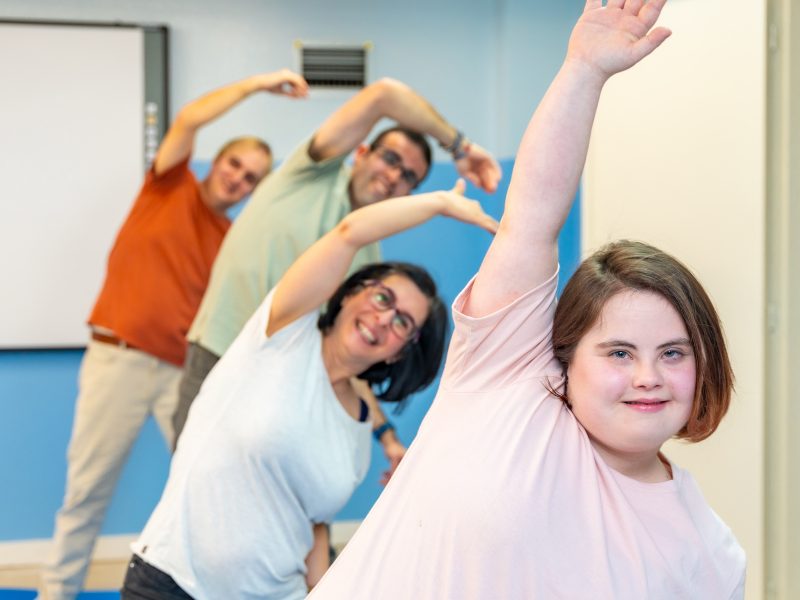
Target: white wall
(444, 49)
(678, 159)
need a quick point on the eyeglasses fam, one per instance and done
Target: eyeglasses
(393, 159)
(382, 298)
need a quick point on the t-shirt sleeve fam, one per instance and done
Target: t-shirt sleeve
(256, 327)
(509, 345)
(738, 592)
(299, 165)
(159, 190)
(172, 177)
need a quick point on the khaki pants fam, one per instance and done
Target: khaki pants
(118, 389)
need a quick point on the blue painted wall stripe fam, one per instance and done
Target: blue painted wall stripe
(38, 389)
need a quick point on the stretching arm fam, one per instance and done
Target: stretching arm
(346, 128)
(313, 277)
(605, 41)
(179, 140)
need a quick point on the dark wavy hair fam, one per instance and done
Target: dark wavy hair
(419, 360)
(629, 265)
(414, 137)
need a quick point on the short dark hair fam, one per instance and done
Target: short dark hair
(628, 265)
(414, 137)
(419, 360)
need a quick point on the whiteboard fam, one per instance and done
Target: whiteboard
(71, 163)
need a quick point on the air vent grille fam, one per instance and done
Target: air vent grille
(334, 66)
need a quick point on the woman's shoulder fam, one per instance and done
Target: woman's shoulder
(511, 343)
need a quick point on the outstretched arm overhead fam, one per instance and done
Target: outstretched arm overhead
(314, 277)
(346, 128)
(605, 41)
(179, 140)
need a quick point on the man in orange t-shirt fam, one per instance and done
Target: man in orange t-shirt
(157, 272)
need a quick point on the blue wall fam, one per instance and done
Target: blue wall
(38, 389)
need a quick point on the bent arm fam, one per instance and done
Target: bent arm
(179, 139)
(605, 41)
(316, 274)
(346, 128)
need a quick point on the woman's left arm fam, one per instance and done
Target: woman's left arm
(318, 560)
(316, 274)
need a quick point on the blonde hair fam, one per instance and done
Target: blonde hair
(245, 140)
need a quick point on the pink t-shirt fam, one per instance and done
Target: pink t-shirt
(502, 495)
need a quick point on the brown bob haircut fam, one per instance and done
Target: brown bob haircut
(627, 265)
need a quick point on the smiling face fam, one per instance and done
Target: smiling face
(234, 174)
(389, 171)
(366, 332)
(632, 378)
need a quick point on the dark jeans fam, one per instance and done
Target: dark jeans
(144, 582)
(199, 362)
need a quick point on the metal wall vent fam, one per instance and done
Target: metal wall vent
(334, 66)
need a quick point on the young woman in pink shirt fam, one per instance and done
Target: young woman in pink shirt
(538, 471)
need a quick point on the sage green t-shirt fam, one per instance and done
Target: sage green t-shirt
(290, 210)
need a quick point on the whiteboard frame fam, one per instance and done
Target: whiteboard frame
(78, 139)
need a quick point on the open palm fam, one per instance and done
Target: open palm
(615, 37)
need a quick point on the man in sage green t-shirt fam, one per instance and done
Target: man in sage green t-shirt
(305, 198)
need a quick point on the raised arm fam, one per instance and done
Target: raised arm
(605, 41)
(179, 139)
(313, 277)
(346, 128)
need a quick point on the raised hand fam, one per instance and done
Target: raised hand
(479, 168)
(179, 140)
(284, 83)
(613, 38)
(463, 209)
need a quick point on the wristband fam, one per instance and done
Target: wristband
(378, 433)
(458, 147)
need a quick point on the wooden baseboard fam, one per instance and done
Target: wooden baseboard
(103, 575)
(21, 561)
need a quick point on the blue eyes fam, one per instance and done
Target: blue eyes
(669, 354)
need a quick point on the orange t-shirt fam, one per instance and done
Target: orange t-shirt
(159, 266)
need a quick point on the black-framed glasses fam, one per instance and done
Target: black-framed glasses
(394, 160)
(382, 298)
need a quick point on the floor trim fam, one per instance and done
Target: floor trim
(27, 553)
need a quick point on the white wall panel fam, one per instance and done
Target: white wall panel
(678, 160)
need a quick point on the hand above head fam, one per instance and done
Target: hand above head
(613, 38)
(283, 82)
(457, 206)
(479, 167)
(179, 140)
